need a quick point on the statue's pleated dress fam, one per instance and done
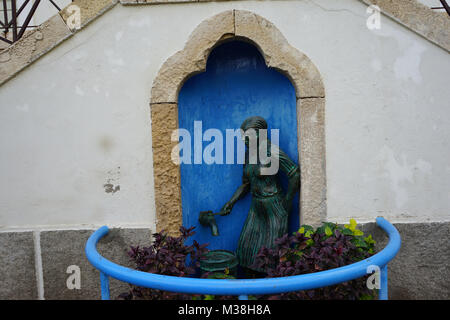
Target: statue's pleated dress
(268, 217)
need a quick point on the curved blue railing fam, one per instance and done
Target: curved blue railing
(244, 287)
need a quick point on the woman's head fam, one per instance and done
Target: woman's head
(255, 122)
(250, 128)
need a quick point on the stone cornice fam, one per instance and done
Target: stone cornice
(50, 34)
(432, 25)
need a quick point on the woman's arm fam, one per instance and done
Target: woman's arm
(292, 171)
(238, 194)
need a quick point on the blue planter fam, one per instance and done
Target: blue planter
(245, 287)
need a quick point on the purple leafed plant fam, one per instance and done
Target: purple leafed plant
(167, 255)
(308, 251)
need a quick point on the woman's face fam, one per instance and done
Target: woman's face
(246, 140)
(246, 136)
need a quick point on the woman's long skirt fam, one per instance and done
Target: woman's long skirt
(266, 221)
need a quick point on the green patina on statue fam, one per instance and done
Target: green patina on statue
(270, 206)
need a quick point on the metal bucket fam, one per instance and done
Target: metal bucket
(219, 261)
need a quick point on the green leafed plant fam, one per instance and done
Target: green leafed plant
(312, 250)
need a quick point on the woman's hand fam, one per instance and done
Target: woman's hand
(238, 194)
(226, 209)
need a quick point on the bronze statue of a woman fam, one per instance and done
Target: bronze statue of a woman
(270, 206)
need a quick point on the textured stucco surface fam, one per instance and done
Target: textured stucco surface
(166, 172)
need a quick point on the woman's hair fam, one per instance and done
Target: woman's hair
(255, 122)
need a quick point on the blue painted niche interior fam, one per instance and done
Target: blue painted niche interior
(236, 84)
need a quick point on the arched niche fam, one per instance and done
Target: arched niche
(212, 105)
(279, 55)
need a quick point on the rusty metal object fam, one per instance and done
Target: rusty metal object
(444, 6)
(9, 22)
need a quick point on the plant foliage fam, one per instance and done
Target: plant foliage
(307, 251)
(168, 256)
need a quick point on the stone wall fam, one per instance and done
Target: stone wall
(33, 265)
(419, 271)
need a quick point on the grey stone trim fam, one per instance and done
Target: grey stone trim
(17, 266)
(421, 269)
(61, 249)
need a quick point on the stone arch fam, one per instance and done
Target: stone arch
(278, 54)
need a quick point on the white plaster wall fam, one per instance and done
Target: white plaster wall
(46, 9)
(70, 120)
